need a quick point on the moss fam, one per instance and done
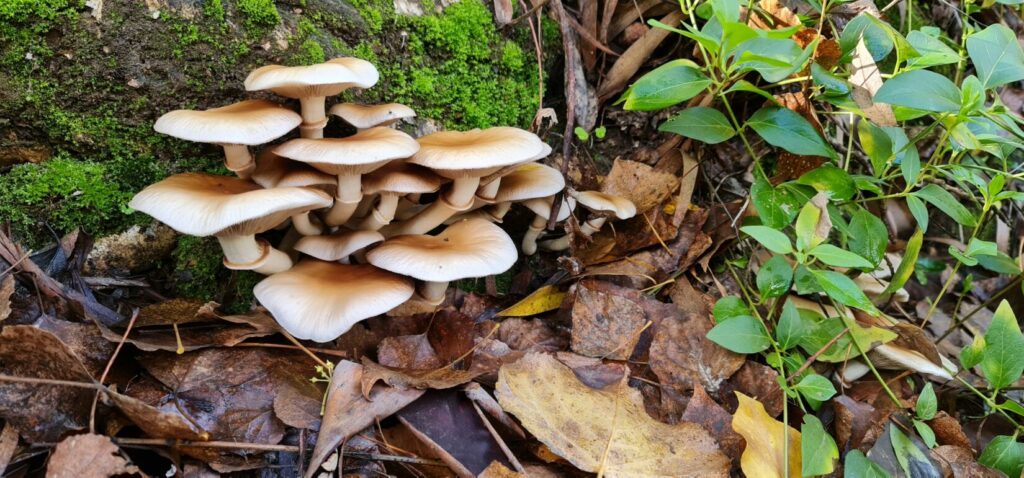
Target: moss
(199, 273)
(214, 10)
(260, 15)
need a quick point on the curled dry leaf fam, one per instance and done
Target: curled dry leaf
(8, 445)
(83, 339)
(497, 470)
(156, 423)
(767, 454)
(633, 58)
(961, 462)
(408, 352)
(602, 430)
(87, 456)
(438, 378)
(645, 186)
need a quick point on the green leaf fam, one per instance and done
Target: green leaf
(818, 451)
(996, 55)
(876, 144)
(703, 124)
(792, 326)
(1004, 454)
(925, 432)
(831, 83)
(774, 277)
(909, 456)
(1002, 361)
(776, 206)
(927, 404)
(833, 181)
(921, 89)
(933, 51)
(786, 129)
(729, 307)
(726, 10)
(744, 85)
(876, 39)
(868, 236)
(844, 290)
(664, 86)
(743, 334)
(906, 268)
(859, 466)
(837, 257)
(816, 387)
(771, 239)
(919, 211)
(945, 202)
(905, 154)
(775, 59)
(806, 227)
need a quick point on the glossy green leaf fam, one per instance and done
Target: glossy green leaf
(921, 89)
(906, 268)
(703, 124)
(1005, 454)
(818, 451)
(776, 206)
(868, 236)
(771, 239)
(837, 257)
(816, 387)
(919, 211)
(792, 327)
(859, 466)
(774, 277)
(786, 129)
(996, 55)
(944, 201)
(743, 334)
(927, 403)
(925, 432)
(833, 181)
(774, 59)
(1002, 360)
(844, 290)
(729, 307)
(664, 86)
(932, 50)
(877, 144)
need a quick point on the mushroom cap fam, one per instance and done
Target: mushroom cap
(599, 202)
(274, 171)
(470, 248)
(209, 205)
(248, 122)
(542, 207)
(368, 116)
(360, 153)
(477, 152)
(337, 246)
(319, 301)
(528, 181)
(323, 79)
(402, 178)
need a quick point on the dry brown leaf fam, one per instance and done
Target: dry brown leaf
(766, 454)
(758, 381)
(156, 423)
(771, 15)
(8, 445)
(497, 470)
(630, 62)
(606, 320)
(645, 186)
(408, 352)
(194, 328)
(438, 378)
(710, 415)
(962, 463)
(866, 79)
(87, 456)
(948, 431)
(6, 291)
(602, 430)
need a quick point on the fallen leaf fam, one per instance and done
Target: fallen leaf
(156, 423)
(962, 463)
(452, 335)
(487, 403)
(866, 79)
(6, 291)
(854, 423)
(606, 320)
(593, 372)
(948, 431)
(197, 327)
(408, 352)
(530, 335)
(502, 12)
(707, 413)
(498, 470)
(760, 382)
(645, 186)
(772, 15)
(902, 455)
(772, 446)
(438, 378)
(83, 339)
(87, 456)
(348, 411)
(8, 445)
(604, 431)
(542, 300)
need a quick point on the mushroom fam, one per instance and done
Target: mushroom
(337, 247)
(312, 84)
(528, 181)
(349, 158)
(319, 301)
(392, 182)
(490, 184)
(602, 206)
(368, 116)
(471, 248)
(465, 157)
(234, 127)
(233, 210)
(542, 208)
(276, 171)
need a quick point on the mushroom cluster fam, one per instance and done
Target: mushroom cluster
(357, 240)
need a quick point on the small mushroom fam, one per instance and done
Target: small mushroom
(368, 116)
(391, 182)
(465, 157)
(602, 206)
(231, 209)
(319, 301)
(349, 158)
(338, 246)
(234, 127)
(276, 171)
(542, 208)
(312, 84)
(471, 248)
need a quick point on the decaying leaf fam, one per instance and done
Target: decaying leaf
(606, 320)
(772, 446)
(87, 456)
(156, 423)
(8, 445)
(710, 415)
(497, 470)
(645, 186)
(632, 59)
(6, 291)
(438, 378)
(542, 300)
(198, 326)
(866, 79)
(408, 352)
(602, 430)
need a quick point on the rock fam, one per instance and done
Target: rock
(130, 251)
(11, 155)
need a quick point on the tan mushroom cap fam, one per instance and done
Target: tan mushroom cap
(402, 178)
(337, 246)
(319, 301)
(599, 202)
(248, 122)
(368, 116)
(470, 248)
(209, 205)
(477, 152)
(323, 79)
(357, 154)
(542, 207)
(274, 171)
(528, 181)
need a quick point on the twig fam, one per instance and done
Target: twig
(529, 12)
(50, 381)
(813, 357)
(497, 438)
(110, 363)
(587, 37)
(568, 45)
(304, 349)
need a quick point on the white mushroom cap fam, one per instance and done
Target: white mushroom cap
(210, 205)
(368, 116)
(542, 207)
(319, 301)
(274, 171)
(357, 154)
(323, 79)
(470, 248)
(248, 122)
(337, 246)
(402, 178)
(477, 152)
(599, 202)
(529, 181)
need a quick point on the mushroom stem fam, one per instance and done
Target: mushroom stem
(587, 229)
(304, 225)
(433, 292)
(382, 214)
(346, 200)
(314, 117)
(532, 233)
(498, 211)
(458, 199)
(238, 159)
(489, 190)
(248, 254)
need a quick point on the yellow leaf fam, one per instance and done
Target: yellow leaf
(541, 300)
(603, 431)
(765, 455)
